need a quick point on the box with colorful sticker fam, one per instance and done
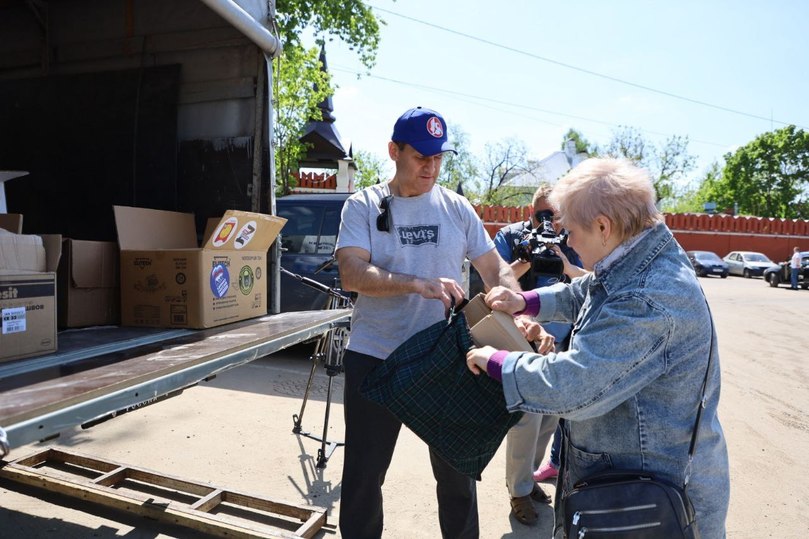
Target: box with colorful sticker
(167, 281)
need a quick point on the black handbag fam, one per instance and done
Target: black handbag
(627, 504)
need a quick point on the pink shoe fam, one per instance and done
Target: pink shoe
(545, 472)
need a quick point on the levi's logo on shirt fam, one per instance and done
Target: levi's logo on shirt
(418, 234)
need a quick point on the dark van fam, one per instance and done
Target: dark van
(307, 241)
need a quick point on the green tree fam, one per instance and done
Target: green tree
(504, 160)
(768, 177)
(300, 84)
(370, 169)
(582, 144)
(668, 164)
(460, 168)
(694, 200)
(351, 21)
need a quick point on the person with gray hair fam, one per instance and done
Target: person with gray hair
(628, 387)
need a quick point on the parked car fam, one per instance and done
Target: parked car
(708, 263)
(782, 273)
(307, 242)
(747, 263)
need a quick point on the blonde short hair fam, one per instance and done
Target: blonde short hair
(542, 193)
(614, 188)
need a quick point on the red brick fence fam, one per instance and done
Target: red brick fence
(719, 233)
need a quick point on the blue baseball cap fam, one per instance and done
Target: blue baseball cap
(424, 129)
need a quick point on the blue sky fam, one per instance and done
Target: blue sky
(747, 56)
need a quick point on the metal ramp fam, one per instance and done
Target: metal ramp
(37, 405)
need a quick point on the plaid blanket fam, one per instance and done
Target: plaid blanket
(426, 384)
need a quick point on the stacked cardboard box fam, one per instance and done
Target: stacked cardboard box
(88, 277)
(27, 291)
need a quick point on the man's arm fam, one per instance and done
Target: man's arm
(357, 274)
(520, 268)
(495, 271)
(505, 248)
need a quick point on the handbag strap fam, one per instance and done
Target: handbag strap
(692, 447)
(454, 315)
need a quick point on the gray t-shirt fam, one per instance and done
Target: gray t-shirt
(430, 237)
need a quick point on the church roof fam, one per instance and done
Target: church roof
(326, 144)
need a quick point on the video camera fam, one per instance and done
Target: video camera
(536, 247)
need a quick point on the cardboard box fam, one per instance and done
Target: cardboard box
(167, 281)
(11, 222)
(88, 278)
(493, 328)
(28, 294)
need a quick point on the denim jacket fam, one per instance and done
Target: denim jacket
(629, 385)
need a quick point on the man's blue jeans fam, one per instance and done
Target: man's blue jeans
(795, 272)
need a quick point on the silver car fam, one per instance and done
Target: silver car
(747, 263)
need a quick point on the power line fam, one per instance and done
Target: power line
(509, 104)
(581, 69)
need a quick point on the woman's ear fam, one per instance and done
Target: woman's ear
(604, 228)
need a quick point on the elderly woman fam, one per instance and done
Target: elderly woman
(629, 384)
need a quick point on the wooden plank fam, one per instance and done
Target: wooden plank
(36, 459)
(112, 478)
(312, 526)
(301, 512)
(195, 516)
(167, 481)
(208, 502)
(77, 459)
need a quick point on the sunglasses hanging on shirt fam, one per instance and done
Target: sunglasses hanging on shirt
(384, 220)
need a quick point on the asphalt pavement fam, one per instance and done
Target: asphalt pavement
(236, 431)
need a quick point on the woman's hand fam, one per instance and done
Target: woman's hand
(501, 298)
(534, 332)
(569, 269)
(477, 358)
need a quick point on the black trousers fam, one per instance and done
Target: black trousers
(370, 438)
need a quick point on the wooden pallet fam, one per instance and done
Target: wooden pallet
(199, 506)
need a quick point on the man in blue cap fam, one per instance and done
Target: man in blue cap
(401, 247)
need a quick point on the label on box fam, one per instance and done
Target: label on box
(220, 280)
(225, 231)
(245, 235)
(13, 320)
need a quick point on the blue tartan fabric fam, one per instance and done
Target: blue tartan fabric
(426, 384)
